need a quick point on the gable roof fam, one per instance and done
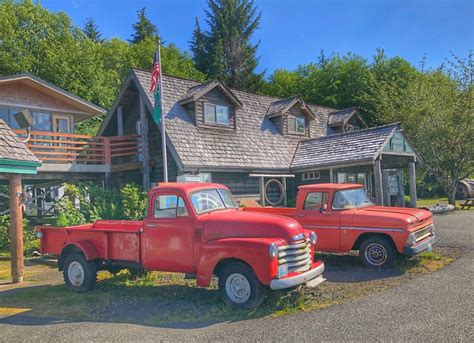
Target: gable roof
(344, 148)
(282, 106)
(15, 157)
(27, 78)
(343, 116)
(250, 147)
(196, 92)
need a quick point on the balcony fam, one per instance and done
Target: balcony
(67, 152)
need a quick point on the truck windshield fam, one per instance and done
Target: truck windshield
(350, 198)
(207, 200)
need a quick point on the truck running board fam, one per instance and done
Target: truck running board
(316, 281)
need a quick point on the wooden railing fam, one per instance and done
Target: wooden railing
(68, 148)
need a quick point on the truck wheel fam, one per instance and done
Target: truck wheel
(377, 252)
(239, 287)
(79, 274)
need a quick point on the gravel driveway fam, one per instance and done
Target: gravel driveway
(432, 307)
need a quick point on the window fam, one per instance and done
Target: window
(316, 201)
(7, 114)
(296, 124)
(169, 206)
(42, 121)
(216, 114)
(350, 198)
(314, 175)
(207, 200)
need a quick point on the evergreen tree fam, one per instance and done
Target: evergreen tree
(225, 51)
(92, 31)
(144, 28)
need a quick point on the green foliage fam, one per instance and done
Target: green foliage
(225, 52)
(144, 28)
(92, 31)
(86, 202)
(30, 242)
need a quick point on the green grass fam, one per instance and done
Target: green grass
(432, 201)
(426, 262)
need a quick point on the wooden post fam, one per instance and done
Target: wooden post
(144, 145)
(285, 200)
(107, 151)
(119, 121)
(378, 182)
(412, 183)
(401, 191)
(16, 229)
(331, 175)
(385, 188)
(262, 191)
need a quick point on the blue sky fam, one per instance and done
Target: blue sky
(293, 32)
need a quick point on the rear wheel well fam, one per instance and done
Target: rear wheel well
(225, 262)
(366, 235)
(65, 252)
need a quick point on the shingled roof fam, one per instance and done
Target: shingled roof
(343, 148)
(11, 148)
(257, 142)
(343, 116)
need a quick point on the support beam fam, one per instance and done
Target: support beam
(119, 121)
(285, 200)
(144, 145)
(331, 175)
(262, 191)
(16, 229)
(412, 183)
(378, 182)
(385, 188)
(401, 191)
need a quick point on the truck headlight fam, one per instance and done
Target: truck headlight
(274, 250)
(411, 239)
(313, 237)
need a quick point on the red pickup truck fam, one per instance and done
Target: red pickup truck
(345, 219)
(192, 228)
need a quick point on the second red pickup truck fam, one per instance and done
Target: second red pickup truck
(345, 219)
(192, 228)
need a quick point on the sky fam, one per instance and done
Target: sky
(293, 32)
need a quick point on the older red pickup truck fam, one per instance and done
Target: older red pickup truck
(345, 219)
(194, 229)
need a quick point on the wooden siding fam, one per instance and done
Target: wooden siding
(282, 122)
(238, 183)
(215, 97)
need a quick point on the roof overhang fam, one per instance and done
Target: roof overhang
(194, 96)
(85, 109)
(19, 167)
(284, 110)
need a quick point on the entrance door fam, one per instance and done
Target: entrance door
(168, 236)
(316, 215)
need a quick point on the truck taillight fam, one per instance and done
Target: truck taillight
(39, 234)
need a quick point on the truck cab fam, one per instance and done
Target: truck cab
(196, 229)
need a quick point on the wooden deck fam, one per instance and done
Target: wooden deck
(65, 152)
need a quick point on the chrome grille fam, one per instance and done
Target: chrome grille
(423, 233)
(296, 256)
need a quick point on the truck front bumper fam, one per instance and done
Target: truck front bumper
(299, 279)
(427, 244)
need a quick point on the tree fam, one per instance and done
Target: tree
(92, 31)
(225, 52)
(144, 28)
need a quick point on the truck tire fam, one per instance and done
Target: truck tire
(79, 274)
(377, 252)
(239, 286)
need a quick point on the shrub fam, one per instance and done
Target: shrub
(30, 241)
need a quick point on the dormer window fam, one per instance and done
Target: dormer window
(296, 124)
(216, 114)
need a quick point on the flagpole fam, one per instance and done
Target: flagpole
(163, 113)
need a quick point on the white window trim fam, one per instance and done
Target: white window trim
(216, 106)
(311, 175)
(290, 116)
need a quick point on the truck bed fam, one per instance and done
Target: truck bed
(280, 211)
(112, 239)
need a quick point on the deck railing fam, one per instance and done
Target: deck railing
(69, 148)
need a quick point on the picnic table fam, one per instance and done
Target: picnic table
(468, 203)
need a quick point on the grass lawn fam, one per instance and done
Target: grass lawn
(161, 298)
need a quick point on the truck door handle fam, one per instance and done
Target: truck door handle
(300, 214)
(153, 225)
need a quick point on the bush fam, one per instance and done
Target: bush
(30, 241)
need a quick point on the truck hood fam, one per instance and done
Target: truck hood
(384, 216)
(234, 223)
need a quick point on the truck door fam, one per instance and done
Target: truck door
(168, 235)
(314, 213)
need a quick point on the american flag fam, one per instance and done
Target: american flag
(156, 72)
(155, 89)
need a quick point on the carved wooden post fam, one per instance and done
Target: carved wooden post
(262, 191)
(412, 183)
(16, 229)
(401, 191)
(378, 182)
(119, 121)
(385, 188)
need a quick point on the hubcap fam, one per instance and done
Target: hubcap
(238, 288)
(376, 254)
(75, 273)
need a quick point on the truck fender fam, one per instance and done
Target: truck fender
(85, 247)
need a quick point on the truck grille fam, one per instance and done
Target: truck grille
(296, 256)
(423, 233)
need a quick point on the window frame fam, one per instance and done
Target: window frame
(216, 107)
(306, 175)
(324, 200)
(178, 197)
(296, 118)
